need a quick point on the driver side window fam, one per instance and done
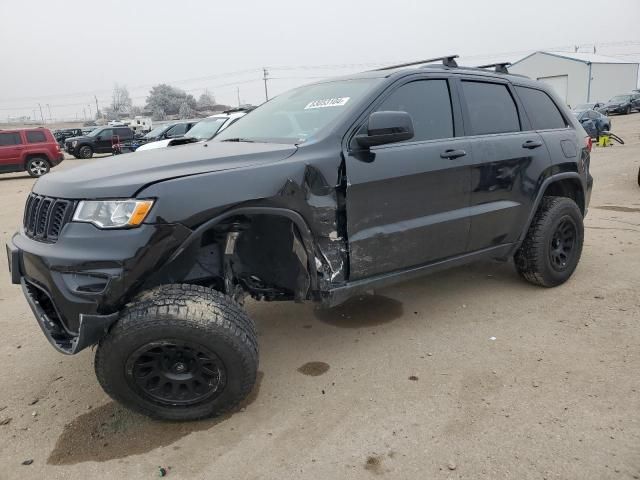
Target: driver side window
(429, 104)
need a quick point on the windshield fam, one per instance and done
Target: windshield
(156, 131)
(206, 129)
(95, 132)
(620, 98)
(299, 115)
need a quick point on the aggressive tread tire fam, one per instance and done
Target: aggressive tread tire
(532, 259)
(185, 312)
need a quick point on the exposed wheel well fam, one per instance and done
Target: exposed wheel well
(262, 255)
(569, 188)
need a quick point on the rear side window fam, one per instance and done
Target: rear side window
(491, 108)
(123, 132)
(36, 137)
(541, 110)
(7, 139)
(429, 104)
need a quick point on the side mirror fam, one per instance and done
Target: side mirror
(386, 127)
(99, 137)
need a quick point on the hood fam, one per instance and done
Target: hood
(153, 145)
(123, 175)
(82, 137)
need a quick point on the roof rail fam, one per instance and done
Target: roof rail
(447, 61)
(499, 67)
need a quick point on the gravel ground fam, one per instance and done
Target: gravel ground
(471, 373)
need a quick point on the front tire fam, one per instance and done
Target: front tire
(551, 250)
(37, 166)
(179, 352)
(85, 152)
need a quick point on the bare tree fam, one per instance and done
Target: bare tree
(185, 110)
(120, 100)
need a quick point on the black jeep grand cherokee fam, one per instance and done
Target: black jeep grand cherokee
(319, 194)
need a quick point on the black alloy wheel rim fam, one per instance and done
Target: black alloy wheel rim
(563, 243)
(175, 372)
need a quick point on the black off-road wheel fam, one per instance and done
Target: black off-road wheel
(37, 166)
(179, 352)
(553, 245)
(85, 152)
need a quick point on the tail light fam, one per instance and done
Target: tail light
(588, 142)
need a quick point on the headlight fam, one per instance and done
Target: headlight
(74, 143)
(113, 213)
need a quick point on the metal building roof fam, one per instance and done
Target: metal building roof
(581, 57)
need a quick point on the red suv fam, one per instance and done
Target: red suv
(33, 149)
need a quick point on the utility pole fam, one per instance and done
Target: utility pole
(49, 108)
(90, 112)
(265, 78)
(97, 109)
(238, 92)
(84, 113)
(41, 115)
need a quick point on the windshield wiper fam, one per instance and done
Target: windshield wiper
(238, 139)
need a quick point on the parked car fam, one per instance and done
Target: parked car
(593, 122)
(169, 130)
(319, 194)
(33, 150)
(62, 134)
(588, 106)
(100, 140)
(621, 104)
(203, 130)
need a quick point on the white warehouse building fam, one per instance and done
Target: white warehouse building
(580, 77)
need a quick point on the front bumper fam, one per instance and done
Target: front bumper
(77, 286)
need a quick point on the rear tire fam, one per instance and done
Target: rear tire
(37, 166)
(179, 352)
(553, 245)
(85, 152)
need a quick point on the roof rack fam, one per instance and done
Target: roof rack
(447, 61)
(499, 67)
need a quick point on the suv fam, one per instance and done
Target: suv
(34, 150)
(100, 140)
(63, 134)
(319, 194)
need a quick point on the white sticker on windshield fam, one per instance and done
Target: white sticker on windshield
(328, 102)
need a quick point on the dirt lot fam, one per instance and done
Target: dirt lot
(472, 373)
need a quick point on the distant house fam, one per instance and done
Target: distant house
(580, 77)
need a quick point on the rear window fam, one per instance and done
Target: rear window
(491, 108)
(11, 138)
(36, 137)
(541, 110)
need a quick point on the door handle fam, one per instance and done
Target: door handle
(531, 144)
(452, 154)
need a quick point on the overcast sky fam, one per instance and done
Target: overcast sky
(62, 53)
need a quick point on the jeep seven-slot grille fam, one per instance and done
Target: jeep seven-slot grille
(44, 217)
